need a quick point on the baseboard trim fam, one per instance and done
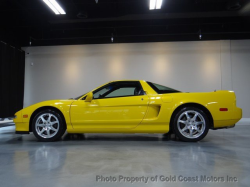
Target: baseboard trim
(6, 121)
(244, 121)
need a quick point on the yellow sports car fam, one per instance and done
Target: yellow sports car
(131, 106)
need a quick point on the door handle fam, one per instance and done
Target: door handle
(142, 99)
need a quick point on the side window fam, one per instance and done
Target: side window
(100, 92)
(119, 89)
(126, 91)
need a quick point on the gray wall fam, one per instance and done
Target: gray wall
(60, 72)
(240, 56)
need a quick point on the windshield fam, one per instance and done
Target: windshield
(79, 96)
(162, 89)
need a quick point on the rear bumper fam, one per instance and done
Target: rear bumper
(234, 117)
(226, 127)
(237, 114)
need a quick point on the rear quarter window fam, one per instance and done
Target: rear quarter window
(160, 89)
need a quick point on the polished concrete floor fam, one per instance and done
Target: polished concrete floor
(90, 160)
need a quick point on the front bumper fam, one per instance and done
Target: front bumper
(22, 126)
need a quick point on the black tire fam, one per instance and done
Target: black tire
(190, 134)
(59, 126)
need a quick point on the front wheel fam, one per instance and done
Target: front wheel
(48, 126)
(191, 124)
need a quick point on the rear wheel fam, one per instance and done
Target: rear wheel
(48, 126)
(191, 124)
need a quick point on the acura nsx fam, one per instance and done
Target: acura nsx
(131, 106)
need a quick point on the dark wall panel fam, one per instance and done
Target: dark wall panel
(12, 63)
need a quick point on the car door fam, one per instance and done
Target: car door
(118, 105)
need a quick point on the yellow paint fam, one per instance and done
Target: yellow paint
(149, 113)
(21, 162)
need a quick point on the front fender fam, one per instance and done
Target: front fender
(23, 117)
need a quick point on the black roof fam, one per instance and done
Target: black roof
(88, 22)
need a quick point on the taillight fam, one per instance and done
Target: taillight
(223, 109)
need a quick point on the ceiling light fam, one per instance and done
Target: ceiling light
(152, 4)
(112, 38)
(51, 6)
(55, 6)
(158, 4)
(200, 35)
(155, 4)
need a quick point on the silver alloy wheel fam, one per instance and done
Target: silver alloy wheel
(191, 124)
(47, 125)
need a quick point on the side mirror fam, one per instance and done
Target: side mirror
(89, 97)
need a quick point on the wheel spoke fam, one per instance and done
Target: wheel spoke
(49, 118)
(199, 123)
(54, 122)
(185, 128)
(198, 130)
(195, 116)
(186, 114)
(191, 132)
(42, 131)
(181, 121)
(48, 132)
(39, 125)
(42, 119)
(53, 129)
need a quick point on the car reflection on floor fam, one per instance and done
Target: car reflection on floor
(78, 158)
